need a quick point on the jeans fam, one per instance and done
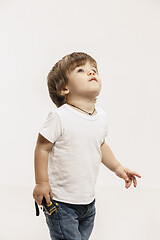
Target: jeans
(71, 221)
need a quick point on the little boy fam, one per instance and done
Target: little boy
(70, 147)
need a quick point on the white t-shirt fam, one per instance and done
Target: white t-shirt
(74, 160)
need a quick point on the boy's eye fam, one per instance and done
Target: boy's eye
(92, 69)
(80, 69)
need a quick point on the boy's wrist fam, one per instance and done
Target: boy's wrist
(118, 168)
(44, 182)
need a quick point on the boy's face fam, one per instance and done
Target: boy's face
(79, 84)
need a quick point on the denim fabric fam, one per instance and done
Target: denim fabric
(71, 221)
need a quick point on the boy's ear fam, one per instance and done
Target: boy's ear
(64, 91)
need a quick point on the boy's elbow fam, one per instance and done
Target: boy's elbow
(43, 144)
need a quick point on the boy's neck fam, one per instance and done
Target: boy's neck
(87, 106)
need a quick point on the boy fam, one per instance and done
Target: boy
(70, 147)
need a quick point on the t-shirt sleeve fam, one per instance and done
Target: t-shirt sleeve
(51, 128)
(105, 119)
(106, 125)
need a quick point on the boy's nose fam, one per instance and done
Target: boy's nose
(89, 73)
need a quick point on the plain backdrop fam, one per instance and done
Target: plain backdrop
(123, 37)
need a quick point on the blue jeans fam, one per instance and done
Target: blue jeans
(71, 221)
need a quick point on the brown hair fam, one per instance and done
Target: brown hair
(57, 77)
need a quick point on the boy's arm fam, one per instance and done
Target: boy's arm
(43, 147)
(109, 160)
(42, 188)
(40, 165)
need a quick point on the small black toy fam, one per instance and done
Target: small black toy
(48, 208)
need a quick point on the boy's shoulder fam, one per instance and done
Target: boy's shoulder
(101, 110)
(57, 111)
(103, 114)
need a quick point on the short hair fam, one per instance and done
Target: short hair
(57, 77)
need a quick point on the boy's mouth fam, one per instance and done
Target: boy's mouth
(93, 79)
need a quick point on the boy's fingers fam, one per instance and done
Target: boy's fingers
(51, 194)
(36, 197)
(135, 182)
(136, 174)
(47, 197)
(130, 172)
(128, 184)
(124, 176)
(39, 199)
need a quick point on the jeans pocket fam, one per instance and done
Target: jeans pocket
(92, 210)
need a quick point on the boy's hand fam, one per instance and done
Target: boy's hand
(42, 190)
(128, 175)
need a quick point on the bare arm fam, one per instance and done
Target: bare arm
(41, 153)
(108, 158)
(42, 188)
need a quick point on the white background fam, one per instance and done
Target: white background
(123, 37)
